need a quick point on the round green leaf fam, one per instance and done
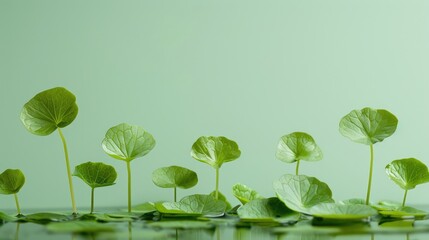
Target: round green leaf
(408, 172)
(174, 176)
(11, 181)
(368, 126)
(341, 211)
(264, 209)
(96, 174)
(215, 150)
(244, 194)
(127, 142)
(197, 204)
(298, 146)
(48, 110)
(300, 192)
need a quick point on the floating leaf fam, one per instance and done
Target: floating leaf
(79, 227)
(174, 176)
(341, 211)
(127, 142)
(96, 174)
(260, 210)
(298, 146)
(244, 194)
(353, 201)
(48, 110)
(103, 217)
(408, 172)
(368, 126)
(7, 218)
(300, 192)
(182, 224)
(403, 212)
(146, 207)
(197, 204)
(46, 217)
(215, 150)
(11, 181)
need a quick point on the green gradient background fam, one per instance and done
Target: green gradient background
(248, 70)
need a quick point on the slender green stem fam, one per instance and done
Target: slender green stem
(130, 231)
(129, 186)
(92, 200)
(66, 153)
(217, 184)
(17, 204)
(18, 224)
(175, 194)
(371, 163)
(297, 167)
(405, 198)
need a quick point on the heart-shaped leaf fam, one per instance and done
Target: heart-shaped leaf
(127, 142)
(48, 110)
(298, 146)
(245, 194)
(96, 174)
(11, 181)
(300, 192)
(368, 126)
(341, 211)
(215, 150)
(174, 176)
(408, 172)
(197, 204)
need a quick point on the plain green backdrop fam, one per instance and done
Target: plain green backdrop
(248, 70)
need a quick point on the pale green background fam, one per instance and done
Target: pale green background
(249, 70)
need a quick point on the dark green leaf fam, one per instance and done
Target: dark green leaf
(48, 110)
(300, 192)
(368, 126)
(298, 146)
(11, 181)
(7, 218)
(79, 227)
(408, 172)
(127, 142)
(96, 174)
(244, 194)
(265, 210)
(174, 176)
(46, 217)
(215, 150)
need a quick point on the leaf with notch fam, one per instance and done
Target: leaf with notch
(174, 176)
(96, 174)
(298, 146)
(48, 110)
(215, 150)
(408, 172)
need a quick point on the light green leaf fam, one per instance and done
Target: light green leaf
(127, 142)
(146, 207)
(11, 181)
(215, 150)
(353, 201)
(103, 217)
(244, 194)
(300, 192)
(408, 172)
(368, 126)
(341, 211)
(46, 217)
(174, 176)
(298, 146)
(48, 110)
(7, 218)
(197, 204)
(96, 174)
(79, 227)
(403, 212)
(264, 210)
(182, 224)
(222, 197)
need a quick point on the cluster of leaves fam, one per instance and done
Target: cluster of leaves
(296, 196)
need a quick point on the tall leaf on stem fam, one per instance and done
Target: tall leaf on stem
(215, 151)
(11, 181)
(407, 173)
(127, 142)
(174, 177)
(368, 126)
(298, 146)
(48, 111)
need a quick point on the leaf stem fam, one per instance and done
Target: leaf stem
(371, 163)
(68, 171)
(217, 184)
(175, 194)
(405, 198)
(92, 200)
(129, 186)
(297, 167)
(17, 204)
